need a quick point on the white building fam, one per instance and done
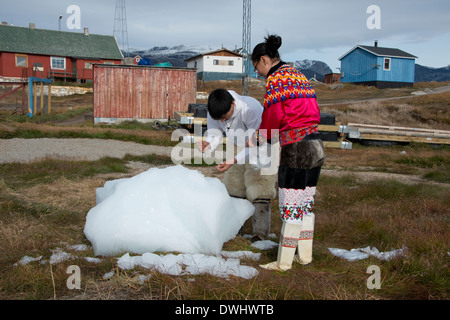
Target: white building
(221, 64)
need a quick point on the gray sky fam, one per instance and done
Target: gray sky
(318, 30)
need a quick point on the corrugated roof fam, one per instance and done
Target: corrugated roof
(384, 52)
(58, 43)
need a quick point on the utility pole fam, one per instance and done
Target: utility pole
(120, 25)
(246, 47)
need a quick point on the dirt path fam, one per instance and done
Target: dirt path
(30, 150)
(372, 176)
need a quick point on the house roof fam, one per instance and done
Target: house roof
(383, 52)
(219, 52)
(58, 43)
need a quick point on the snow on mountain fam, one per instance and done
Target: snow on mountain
(313, 68)
(304, 64)
(178, 49)
(176, 55)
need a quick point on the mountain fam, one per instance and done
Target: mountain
(425, 74)
(310, 68)
(175, 55)
(178, 54)
(313, 68)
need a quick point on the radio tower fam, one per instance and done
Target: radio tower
(246, 47)
(120, 25)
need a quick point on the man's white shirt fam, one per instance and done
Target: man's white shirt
(246, 119)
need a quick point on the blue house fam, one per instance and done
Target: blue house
(377, 66)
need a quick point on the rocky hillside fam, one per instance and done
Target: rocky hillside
(425, 74)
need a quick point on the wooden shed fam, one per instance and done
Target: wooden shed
(142, 93)
(332, 78)
(378, 66)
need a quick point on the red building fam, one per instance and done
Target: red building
(332, 78)
(60, 55)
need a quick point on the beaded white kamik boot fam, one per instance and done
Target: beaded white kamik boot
(305, 242)
(286, 249)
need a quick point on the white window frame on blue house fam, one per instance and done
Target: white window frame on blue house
(388, 60)
(55, 63)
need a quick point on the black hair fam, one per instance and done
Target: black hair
(219, 103)
(268, 48)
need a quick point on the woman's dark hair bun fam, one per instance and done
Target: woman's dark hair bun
(269, 47)
(274, 42)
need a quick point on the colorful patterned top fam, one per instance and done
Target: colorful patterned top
(287, 83)
(290, 105)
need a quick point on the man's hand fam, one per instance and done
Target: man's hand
(222, 167)
(203, 146)
(252, 142)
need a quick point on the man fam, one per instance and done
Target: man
(237, 117)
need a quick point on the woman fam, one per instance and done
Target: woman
(291, 108)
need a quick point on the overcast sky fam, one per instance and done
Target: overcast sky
(318, 30)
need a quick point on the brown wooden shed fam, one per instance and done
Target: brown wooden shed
(332, 78)
(142, 93)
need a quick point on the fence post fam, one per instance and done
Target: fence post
(34, 97)
(30, 94)
(42, 97)
(49, 97)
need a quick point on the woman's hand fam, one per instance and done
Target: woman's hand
(252, 142)
(203, 146)
(225, 166)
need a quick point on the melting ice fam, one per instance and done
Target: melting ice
(164, 210)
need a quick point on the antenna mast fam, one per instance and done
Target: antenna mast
(120, 25)
(246, 47)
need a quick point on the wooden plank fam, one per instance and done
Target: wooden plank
(34, 97)
(395, 128)
(202, 121)
(42, 97)
(188, 118)
(49, 98)
(329, 128)
(404, 133)
(332, 144)
(404, 138)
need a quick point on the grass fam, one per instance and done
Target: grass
(429, 112)
(36, 218)
(360, 202)
(36, 131)
(424, 161)
(61, 114)
(49, 170)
